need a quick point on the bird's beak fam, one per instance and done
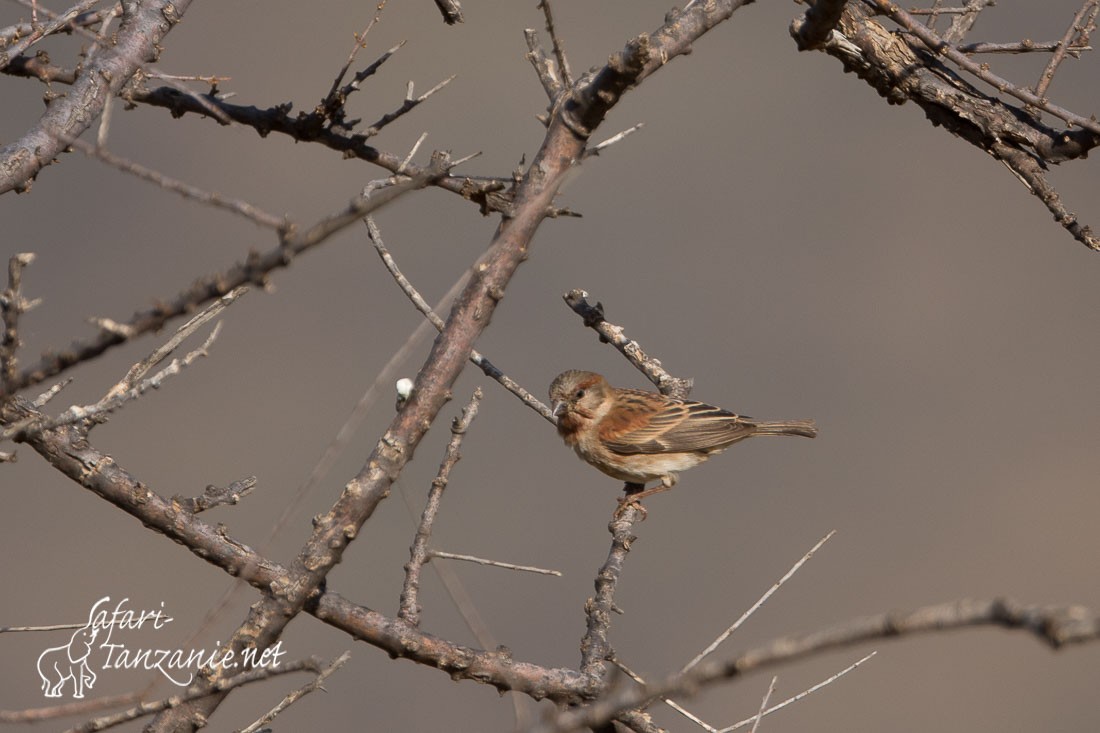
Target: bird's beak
(558, 409)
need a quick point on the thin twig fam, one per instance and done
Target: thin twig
(752, 609)
(597, 149)
(965, 20)
(1032, 173)
(41, 400)
(409, 609)
(412, 151)
(333, 103)
(12, 33)
(1078, 27)
(494, 563)
(138, 371)
(934, 14)
(211, 198)
(609, 333)
(58, 22)
(1057, 626)
(934, 11)
(293, 697)
(544, 68)
(221, 685)
(1024, 46)
(764, 704)
(799, 696)
(407, 106)
(559, 48)
(667, 700)
(134, 384)
(256, 268)
(421, 305)
(12, 306)
(88, 414)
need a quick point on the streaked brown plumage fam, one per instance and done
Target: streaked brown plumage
(637, 436)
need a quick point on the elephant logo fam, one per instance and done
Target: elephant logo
(69, 662)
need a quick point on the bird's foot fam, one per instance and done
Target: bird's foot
(632, 498)
(630, 501)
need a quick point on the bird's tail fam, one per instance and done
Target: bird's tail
(805, 428)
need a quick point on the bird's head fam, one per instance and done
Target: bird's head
(578, 395)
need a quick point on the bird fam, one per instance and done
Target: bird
(637, 436)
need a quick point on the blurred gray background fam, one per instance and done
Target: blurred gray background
(775, 231)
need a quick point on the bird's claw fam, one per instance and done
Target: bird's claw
(630, 501)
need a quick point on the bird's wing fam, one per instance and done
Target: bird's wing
(647, 423)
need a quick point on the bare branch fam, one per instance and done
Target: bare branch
(20, 42)
(595, 648)
(332, 106)
(544, 68)
(138, 371)
(965, 19)
(597, 149)
(1057, 626)
(222, 685)
(760, 602)
(407, 106)
(313, 685)
(11, 34)
(87, 415)
(255, 269)
(943, 47)
(216, 495)
(1024, 46)
(451, 11)
(612, 334)
(818, 23)
(70, 709)
(559, 48)
(1079, 27)
(421, 305)
(799, 696)
(143, 28)
(902, 71)
(493, 563)
(1032, 174)
(69, 452)
(419, 554)
(764, 704)
(12, 306)
(211, 198)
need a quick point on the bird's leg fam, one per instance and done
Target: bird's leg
(634, 493)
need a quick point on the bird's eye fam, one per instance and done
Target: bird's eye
(580, 394)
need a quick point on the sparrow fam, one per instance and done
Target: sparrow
(637, 436)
